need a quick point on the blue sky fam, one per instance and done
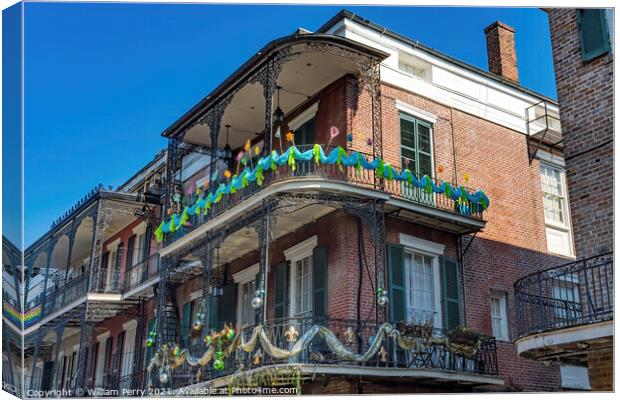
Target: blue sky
(102, 81)
(11, 124)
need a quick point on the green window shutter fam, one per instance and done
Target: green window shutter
(256, 310)
(213, 311)
(281, 290)
(130, 245)
(452, 312)
(227, 305)
(148, 234)
(593, 33)
(396, 281)
(319, 281)
(187, 315)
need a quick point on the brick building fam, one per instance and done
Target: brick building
(576, 328)
(357, 261)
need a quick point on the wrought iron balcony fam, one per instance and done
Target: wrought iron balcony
(428, 351)
(141, 273)
(352, 175)
(572, 294)
(65, 295)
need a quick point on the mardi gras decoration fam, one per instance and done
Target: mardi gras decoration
(382, 298)
(223, 344)
(291, 334)
(333, 132)
(469, 202)
(257, 301)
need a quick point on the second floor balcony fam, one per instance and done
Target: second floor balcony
(564, 311)
(311, 168)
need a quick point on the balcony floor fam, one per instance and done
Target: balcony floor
(310, 371)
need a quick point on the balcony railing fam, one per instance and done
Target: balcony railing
(572, 294)
(356, 336)
(365, 178)
(65, 295)
(141, 272)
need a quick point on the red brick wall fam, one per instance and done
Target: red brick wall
(601, 370)
(512, 244)
(585, 94)
(501, 51)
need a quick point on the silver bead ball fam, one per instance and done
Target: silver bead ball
(163, 377)
(382, 300)
(257, 302)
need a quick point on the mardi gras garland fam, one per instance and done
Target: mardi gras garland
(337, 156)
(170, 356)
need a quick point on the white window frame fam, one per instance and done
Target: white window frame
(112, 249)
(562, 228)
(242, 278)
(140, 232)
(292, 255)
(303, 117)
(101, 339)
(434, 250)
(504, 335)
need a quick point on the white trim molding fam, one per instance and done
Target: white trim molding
(139, 229)
(301, 249)
(130, 325)
(423, 245)
(246, 275)
(415, 111)
(303, 117)
(113, 245)
(103, 336)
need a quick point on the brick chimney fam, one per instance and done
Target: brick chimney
(501, 51)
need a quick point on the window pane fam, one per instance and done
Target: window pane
(424, 138)
(407, 133)
(420, 288)
(425, 165)
(554, 208)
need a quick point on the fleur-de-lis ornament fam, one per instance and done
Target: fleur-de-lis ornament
(349, 336)
(383, 355)
(291, 334)
(258, 357)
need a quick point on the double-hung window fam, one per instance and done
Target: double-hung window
(416, 153)
(422, 283)
(300, 258)
(420, 280)
(302, 282)
(247, 286)
(499, 315)
(556, 209)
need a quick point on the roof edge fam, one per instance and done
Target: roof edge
(369, 24)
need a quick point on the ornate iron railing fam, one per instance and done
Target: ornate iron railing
(356, 336)
(65, 295)
(141, 272)
(309, 169)
(572, 294)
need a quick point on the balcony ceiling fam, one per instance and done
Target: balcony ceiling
(300, 78)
